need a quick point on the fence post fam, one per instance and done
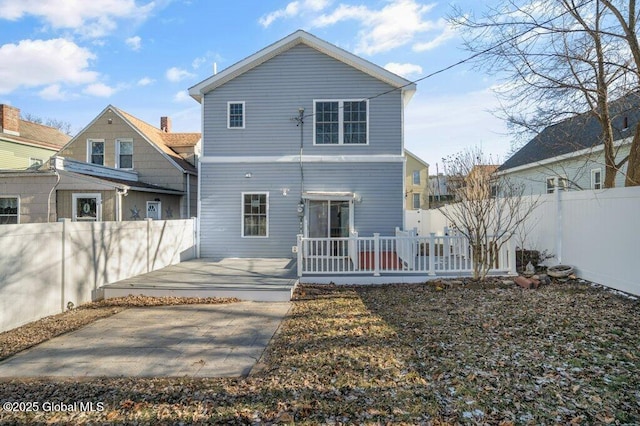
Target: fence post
(376, 254)
(63, 262)
(300, 257)
(432, 253)
(148, 220)
(194, 221)
(559, 224)
(511, 255)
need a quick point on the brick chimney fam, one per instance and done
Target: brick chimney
(165, 124)
(9, 120)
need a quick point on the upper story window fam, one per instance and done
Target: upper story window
(596, 178)
(235, 115)
(95, 151)
(9, 210)
(124, 153)
(341, 122)
(416, 177)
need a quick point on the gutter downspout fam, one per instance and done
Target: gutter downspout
(188, 177)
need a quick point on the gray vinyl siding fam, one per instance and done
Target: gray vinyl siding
(378, 184)
(273, 92)
(577, 170)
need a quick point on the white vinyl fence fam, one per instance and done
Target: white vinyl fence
(595, 231)
(44, 266)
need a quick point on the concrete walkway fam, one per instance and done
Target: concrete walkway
(168, 341)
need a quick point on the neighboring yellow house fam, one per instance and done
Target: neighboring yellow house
(416, 182)
(24, 144)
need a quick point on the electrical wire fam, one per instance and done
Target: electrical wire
(469, 58)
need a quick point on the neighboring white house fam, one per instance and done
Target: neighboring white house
(301, 137)
(570, 154)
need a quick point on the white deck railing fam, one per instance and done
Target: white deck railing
(405, 253)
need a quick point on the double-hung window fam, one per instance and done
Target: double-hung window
(95, 151)
(255, 214)
(416, 201)
(341, 122)
(416, 177)
(124, 153)
(235, 115)
(9, 210)
(596, 178)
(557, 182)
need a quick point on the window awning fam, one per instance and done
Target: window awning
(322, 195)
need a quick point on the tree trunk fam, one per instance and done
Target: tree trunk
(633, 163)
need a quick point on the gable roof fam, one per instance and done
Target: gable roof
(38, 135)
(292, 40)
(415, 157)
(577, 133)
(160, 139)
(157, 138)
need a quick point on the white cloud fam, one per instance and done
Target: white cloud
(175, 74)
(91, 18)
(404, 70)
(182, 96)
(53, 93)
(448, 32)
(293, 9)
(99, 89)
(398, 23)
(145, 81)
(134, 43)
(32, 63)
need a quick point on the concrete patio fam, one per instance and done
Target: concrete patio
(263, 280)
(185, 340)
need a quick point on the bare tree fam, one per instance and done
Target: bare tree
(559, 59)
(63, 126)
(489, 209)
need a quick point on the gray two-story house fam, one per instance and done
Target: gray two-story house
(301, 137)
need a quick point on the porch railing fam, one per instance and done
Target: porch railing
(404, 253)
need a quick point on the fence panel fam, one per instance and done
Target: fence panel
(595, 231)
(45, 266)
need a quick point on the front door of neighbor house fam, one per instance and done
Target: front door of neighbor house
(329, 219)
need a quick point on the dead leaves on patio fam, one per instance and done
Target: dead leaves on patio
(404, 354)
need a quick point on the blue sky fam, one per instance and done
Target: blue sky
(69, 59)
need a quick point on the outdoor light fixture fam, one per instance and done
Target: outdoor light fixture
(110, 120)
(247, 175)
(285, 191)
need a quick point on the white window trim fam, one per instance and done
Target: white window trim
(413, 201)
(18, 198)
(242, 214)
(556, 183)
(244, 114)
(340, 122)
(96, 195)
(159, 203)
(593, 182)
(413, 177)
(89, 143)
(117, 162)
